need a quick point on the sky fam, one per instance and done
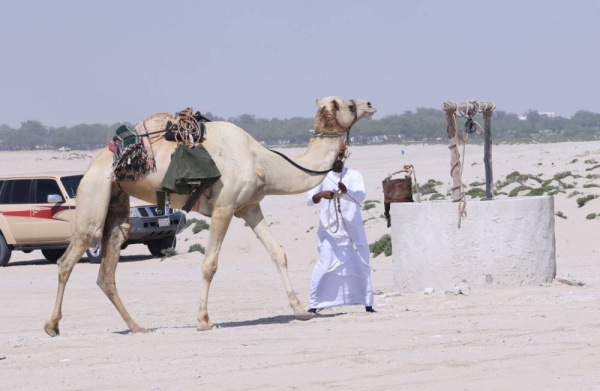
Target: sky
(67, 62)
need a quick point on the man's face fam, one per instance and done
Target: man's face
(338, 165)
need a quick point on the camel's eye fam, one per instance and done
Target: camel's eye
(369, 104)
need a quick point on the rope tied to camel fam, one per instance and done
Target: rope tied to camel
(186, 129)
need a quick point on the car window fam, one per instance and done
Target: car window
(16, 191)
(71, 183)
(44, 188)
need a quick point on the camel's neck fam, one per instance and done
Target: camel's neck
(281, 177)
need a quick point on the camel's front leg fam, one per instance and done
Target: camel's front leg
(220, 220)
(116, 230)
(254, 217)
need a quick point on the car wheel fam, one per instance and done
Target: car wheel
(95, 253)
(5, 252)
(157, 246)
(53, 255)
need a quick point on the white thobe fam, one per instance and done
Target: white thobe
(342, 275)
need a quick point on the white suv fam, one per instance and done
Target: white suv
(37, 212)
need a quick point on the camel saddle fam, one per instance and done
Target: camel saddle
(396, 190)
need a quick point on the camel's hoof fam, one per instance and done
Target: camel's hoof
(140, 330)
(51, 328)
(205, 326)
(304, 315)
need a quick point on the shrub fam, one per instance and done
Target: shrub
(436, 196)
(514, 192)
(197, 247)
(476, 192)
(584, 200)
(429, 187)
(561, 215)
(562, 175)
(190, 222)
(168, 252)
(200, 225)
(382, 245)
(591, 216)
(370, 204)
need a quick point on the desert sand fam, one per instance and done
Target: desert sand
(537, 337)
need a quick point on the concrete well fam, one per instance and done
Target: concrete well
(501, 243)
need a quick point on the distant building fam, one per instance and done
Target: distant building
(549, 114)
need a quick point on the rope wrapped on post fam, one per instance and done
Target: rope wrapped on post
(467, 109)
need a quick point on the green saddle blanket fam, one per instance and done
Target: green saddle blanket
(191, 171)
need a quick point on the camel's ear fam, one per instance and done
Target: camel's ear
(319, 103)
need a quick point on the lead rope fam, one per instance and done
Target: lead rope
(471, 126)
(339, 217)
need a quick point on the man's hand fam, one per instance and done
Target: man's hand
(327, 194)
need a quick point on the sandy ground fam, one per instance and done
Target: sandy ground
(543, 337)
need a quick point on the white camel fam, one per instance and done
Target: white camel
(249, 172)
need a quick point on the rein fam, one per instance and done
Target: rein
(354, 111)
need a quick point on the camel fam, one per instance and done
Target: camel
(249, 172)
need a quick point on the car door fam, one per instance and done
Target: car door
(50, 221)
(15, 209)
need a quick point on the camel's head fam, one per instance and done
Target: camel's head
(337, 115)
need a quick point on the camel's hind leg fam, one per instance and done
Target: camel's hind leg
(221, 218)
(254, 217)
(116, 230)
(65, 266)
(93, 197)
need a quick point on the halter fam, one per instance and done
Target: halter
(354, 110)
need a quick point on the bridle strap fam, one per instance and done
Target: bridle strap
(354, 110)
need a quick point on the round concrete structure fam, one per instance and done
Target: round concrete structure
(500, 243)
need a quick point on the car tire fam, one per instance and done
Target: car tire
(53, 255)
(95, 253)
(5, 252)
(157, 246)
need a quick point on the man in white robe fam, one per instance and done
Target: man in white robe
(342, 275)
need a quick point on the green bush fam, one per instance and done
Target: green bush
(514, 192)
(197, 247)
(382, 245)
(591, 216)
(200, 225)
(190, 222)
(429, 187)
(476, 192)
(584, 200)
(370, 204)
(437, 196)
(562, 175)
(168, 252)
(561, 215)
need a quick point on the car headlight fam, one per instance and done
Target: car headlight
(133, 212)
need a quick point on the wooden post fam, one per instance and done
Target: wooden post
(455, 166)
(469, 109)
(487, 108)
